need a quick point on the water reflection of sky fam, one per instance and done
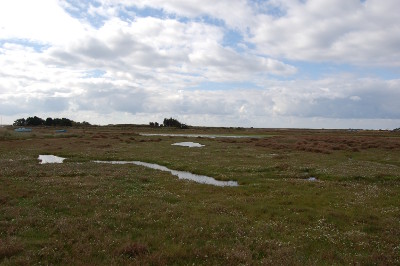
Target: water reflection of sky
(197, 135)
(188, 144)
(180, 174)
(50, 159)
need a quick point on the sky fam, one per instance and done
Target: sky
(234, 63)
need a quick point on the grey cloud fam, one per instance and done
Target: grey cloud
(121, 53)
(118, 45)
(61, 57)
(367, 99)
(96, 49)
(345, 31)
(110, 98)
(149, 64)
(238, 15)
(332, 98)
(344, 108)
(227, 64)
(17, 105)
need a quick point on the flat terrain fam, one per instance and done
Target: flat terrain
(80, 212)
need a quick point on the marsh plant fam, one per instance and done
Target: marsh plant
(81, 212)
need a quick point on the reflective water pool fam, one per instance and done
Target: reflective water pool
(198, 135)
(180, 174)
(50, 159)
(189, 144)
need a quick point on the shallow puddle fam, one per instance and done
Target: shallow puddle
(189, 144)
(196, 135)
(50, 159)
(180, 174)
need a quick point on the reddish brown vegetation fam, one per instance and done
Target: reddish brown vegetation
(323, 144)
(8, 249)
(133, 250)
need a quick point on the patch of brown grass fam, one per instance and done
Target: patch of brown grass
(326, 144)
(133, 250)
(9, 249)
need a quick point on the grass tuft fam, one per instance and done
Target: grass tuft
(133, 250)
(9, 249)
(83, 213)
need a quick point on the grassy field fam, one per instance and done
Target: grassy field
(80, 212)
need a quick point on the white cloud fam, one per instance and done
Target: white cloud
(143, 69)
(235, 13)
(38, 21)
(148, 45)
(344, 31)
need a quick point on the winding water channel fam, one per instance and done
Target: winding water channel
(180, 174)
(198, 135)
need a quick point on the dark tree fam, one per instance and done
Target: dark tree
(49, 121)
(66, 122)
(56, 122)
(20, 122)
(34, 121)
(37, 121)
(63, 122)
(154, 124)
(172, 122)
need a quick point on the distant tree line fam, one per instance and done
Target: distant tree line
(37, 121)
(154, 124)
(169, 122)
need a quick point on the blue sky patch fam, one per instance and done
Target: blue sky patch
(95, 73)
(209, 85)
(38, 47)
(100, 51)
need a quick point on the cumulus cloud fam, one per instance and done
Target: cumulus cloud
(349, 31)
(43, 22)
(335, 98)
(236, 14)
(110, 63)
(345, 31)
(146, 44)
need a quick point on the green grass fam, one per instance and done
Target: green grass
(80, 212)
